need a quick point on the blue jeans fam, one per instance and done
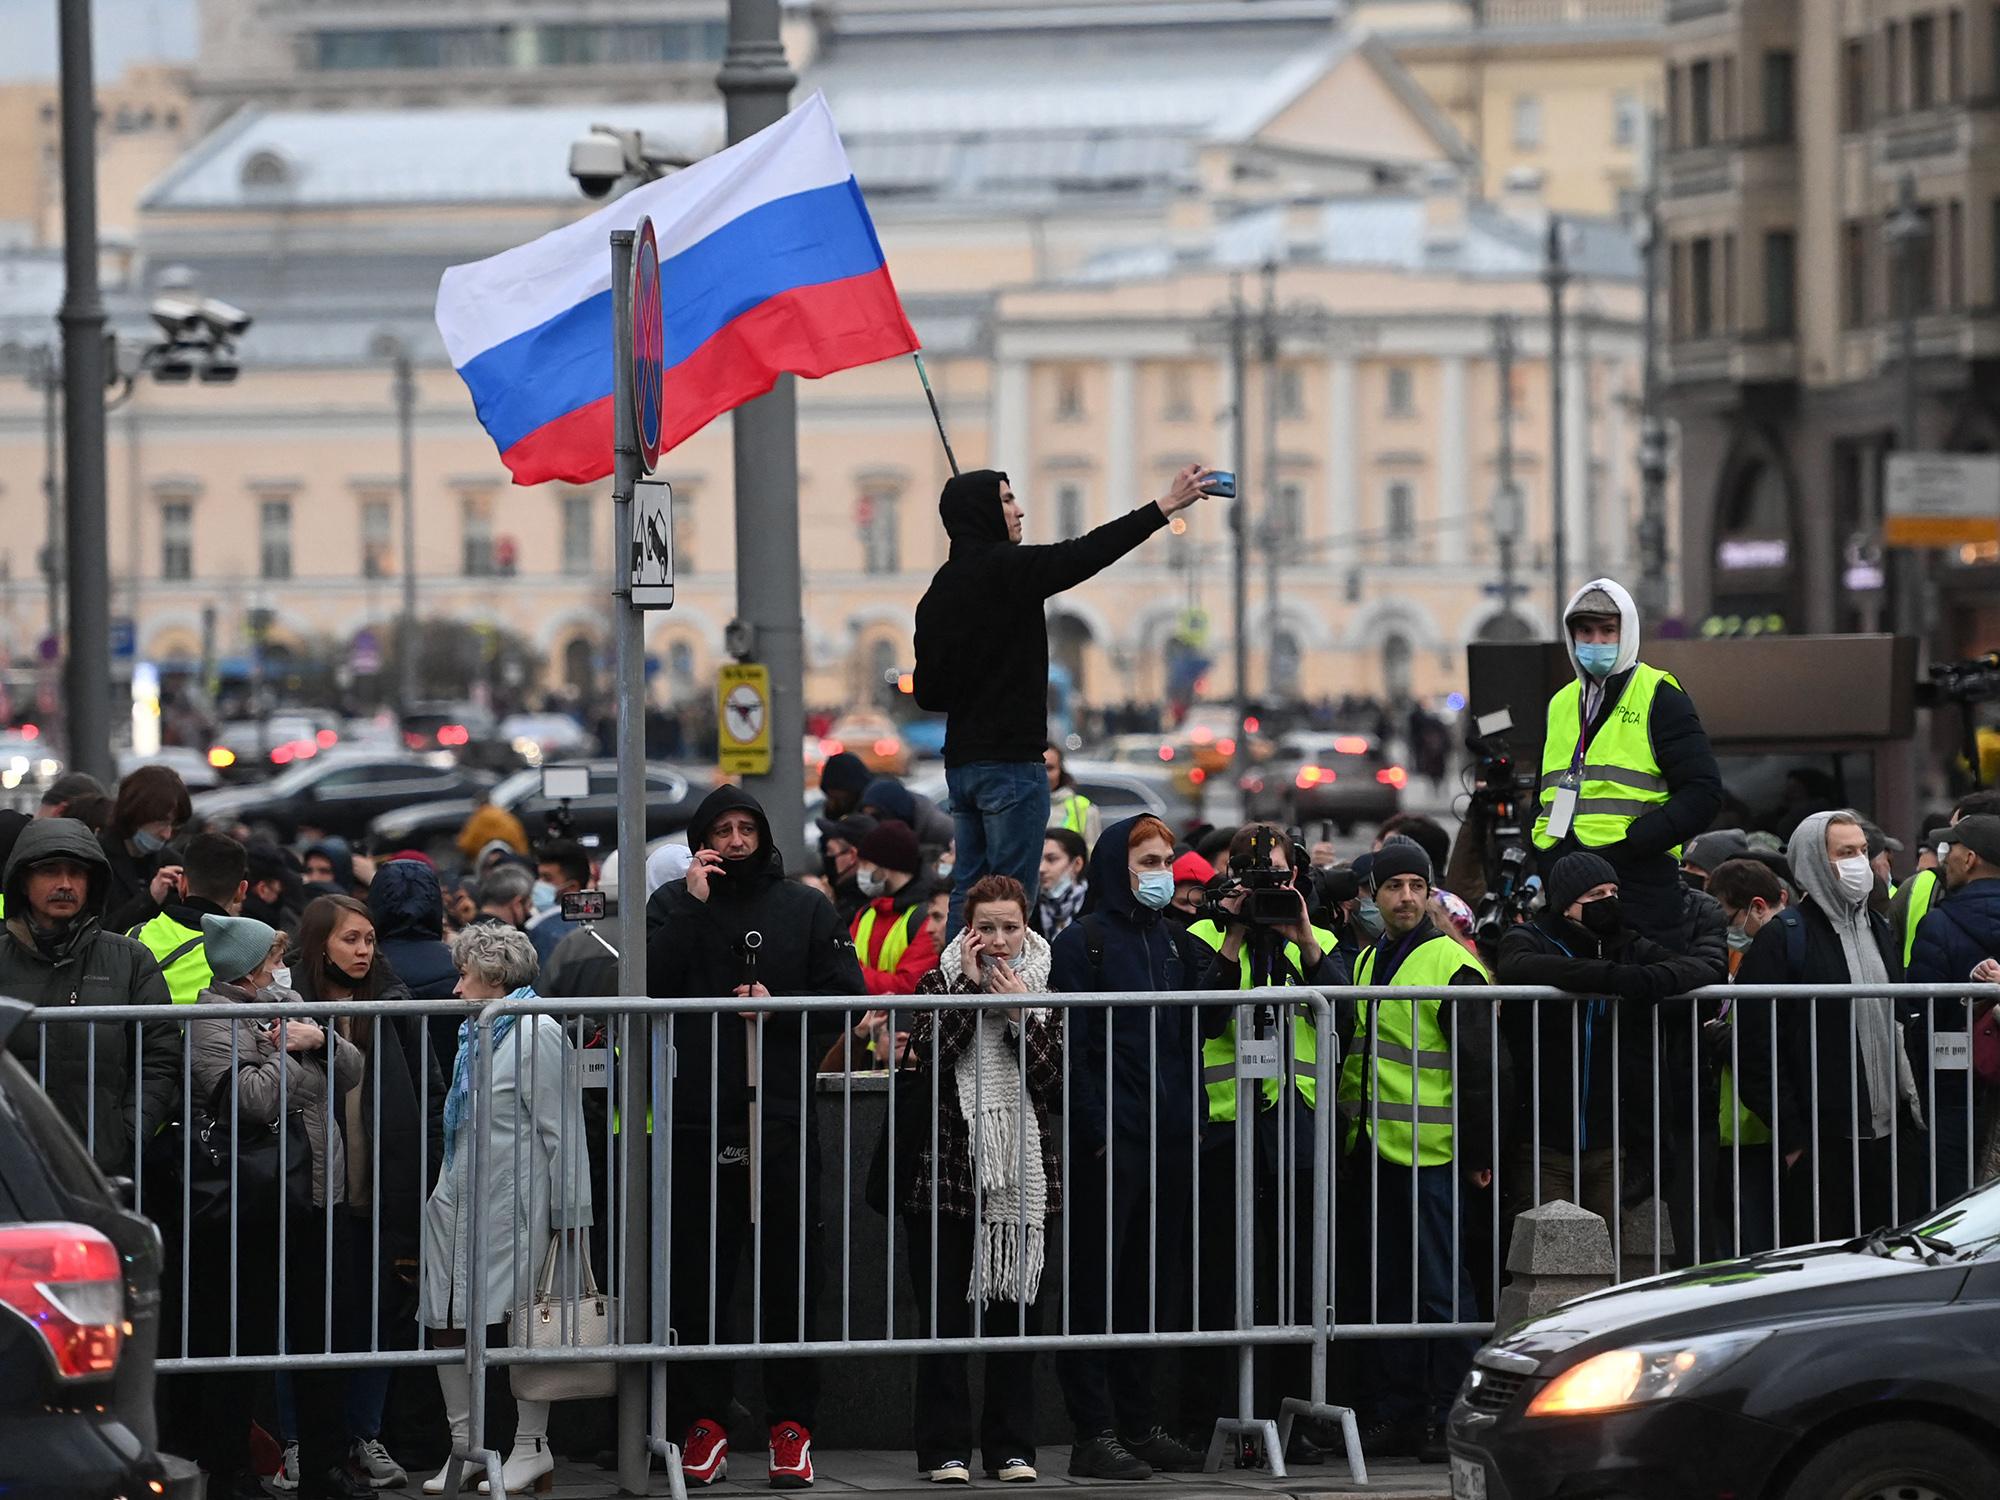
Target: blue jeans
(367, 1395)
(1001, 813)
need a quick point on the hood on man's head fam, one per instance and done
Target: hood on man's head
(55, 838)
(338, 853)
(406, 901)
(1812, 868)
(890, 797)
(970, 507)
(734, 799)
(1604, 596)
(1109, 873)
(844, 772)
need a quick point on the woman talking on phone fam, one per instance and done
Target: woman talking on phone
(993, 1186)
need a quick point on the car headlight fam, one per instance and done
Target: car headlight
(1619, 1378)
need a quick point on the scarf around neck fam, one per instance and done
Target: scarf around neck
(459, 1098)
(1005, 1138)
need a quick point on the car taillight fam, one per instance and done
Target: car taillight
(1197, 776)
(1311, 776)
(1350, 744)
(327, 739)
(66, 1280)
(1394, 776)
(1166, 752)
(453, 734)
(413, 739)
(281, 755)
(1225, 747)
(886, 748)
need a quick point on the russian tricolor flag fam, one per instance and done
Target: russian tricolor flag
(768, 264)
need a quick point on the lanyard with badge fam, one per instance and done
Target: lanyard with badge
(1562, 811)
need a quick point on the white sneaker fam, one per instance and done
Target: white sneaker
(952, 1471)
(373, 1460)
(287, 1477)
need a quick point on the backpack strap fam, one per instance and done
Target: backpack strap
(1794, 927)
(180, 953)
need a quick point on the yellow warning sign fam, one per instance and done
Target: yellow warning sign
(743, 716)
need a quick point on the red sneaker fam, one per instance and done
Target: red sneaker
(791, 1457)
(705, 1453)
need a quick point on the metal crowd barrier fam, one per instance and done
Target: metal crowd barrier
(641, 1145)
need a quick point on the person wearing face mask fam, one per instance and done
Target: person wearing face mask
(1627, 770)
(1147, 1113)
(839, 849)
(1570, 1061)
(1192, 875)
(392, 1127)
(1001, 1226)
(1954, 937)
(506, 894)
(695, 950)
(142, 876)
(561, 866)
(1068, 807)
(1746, 1212)
(1063, 888)
(1840, 1094)
(889, 936)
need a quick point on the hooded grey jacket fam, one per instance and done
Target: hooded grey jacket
(100, 1074)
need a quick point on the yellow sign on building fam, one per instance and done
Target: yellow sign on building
(743, 714)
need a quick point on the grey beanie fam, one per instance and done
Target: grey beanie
(1576, 873)
(1717, 847)
(235, 945)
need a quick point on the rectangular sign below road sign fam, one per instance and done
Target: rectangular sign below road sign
(1941, 499)
(652, 580)
(743, 719)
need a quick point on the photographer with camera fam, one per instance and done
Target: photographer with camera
(1627, 770)
(1416, 1089)
(1256, 920)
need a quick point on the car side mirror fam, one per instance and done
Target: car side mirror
(126, 1191)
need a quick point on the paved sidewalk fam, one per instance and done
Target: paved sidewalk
(879, 1472)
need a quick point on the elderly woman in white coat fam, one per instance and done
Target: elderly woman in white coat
(536, 1183)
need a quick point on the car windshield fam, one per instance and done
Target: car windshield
(1971, 1226)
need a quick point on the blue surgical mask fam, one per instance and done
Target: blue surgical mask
(1598, 659)
(1155, 889)
(543, 896)
(1062, 886)
(1739, 940)
(1369, 916)
(147, 842)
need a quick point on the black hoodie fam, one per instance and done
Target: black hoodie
(694, 950)
(982, 643)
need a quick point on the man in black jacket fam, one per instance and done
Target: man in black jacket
(756, 1123)
(1841, 1100)
(982, 649)
(1573, 1059)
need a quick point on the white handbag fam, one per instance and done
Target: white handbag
(552, 1320)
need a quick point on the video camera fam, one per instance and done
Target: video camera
(1962, 684)
(1503, 799)
(562, 785)
(1271, 897)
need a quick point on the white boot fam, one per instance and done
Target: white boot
(457, 1388)
(530, 1466)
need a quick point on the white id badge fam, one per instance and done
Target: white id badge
(1951, 1051)
(1256, 1057)
(1562, 812)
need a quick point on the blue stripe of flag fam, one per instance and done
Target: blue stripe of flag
(806, 239)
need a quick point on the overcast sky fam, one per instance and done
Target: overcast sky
(124, 31)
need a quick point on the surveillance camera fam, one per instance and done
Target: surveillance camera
(173, 368)
(598, 163)
(176, 315)
(232, 322)
(220, 368)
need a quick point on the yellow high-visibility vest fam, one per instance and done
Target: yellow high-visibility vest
(1924, 887)
(182, 958)
(895, 942)
(1076, 813)
(1621, 776)
(1405, 1098)
(1218, 1053)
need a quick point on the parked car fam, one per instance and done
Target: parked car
(541, 737)
(339, 792)
(1849, 1371)
(871, 735)
(1342, 779)
(79, 1311)
(672, 795)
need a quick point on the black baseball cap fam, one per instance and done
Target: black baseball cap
(1980, 833)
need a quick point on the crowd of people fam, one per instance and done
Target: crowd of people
(339, 1116)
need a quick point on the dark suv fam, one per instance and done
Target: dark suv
(79, 1311)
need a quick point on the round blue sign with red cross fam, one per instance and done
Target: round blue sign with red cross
(649, 346)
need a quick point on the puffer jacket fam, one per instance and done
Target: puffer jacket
(258, 1064)
(89, 1069)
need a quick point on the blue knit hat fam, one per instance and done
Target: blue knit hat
(235, 945)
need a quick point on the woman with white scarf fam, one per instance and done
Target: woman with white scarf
(994, 1196)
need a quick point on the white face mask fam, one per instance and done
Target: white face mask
(281, 977)
(1857, 877)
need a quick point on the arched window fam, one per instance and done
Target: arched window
(1397, 654)
(579, 666)
(1286, 658)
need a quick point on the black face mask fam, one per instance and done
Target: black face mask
(1603, 918)
(1694, 880)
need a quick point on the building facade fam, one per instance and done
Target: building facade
(1066, 235)
(1792, 131)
